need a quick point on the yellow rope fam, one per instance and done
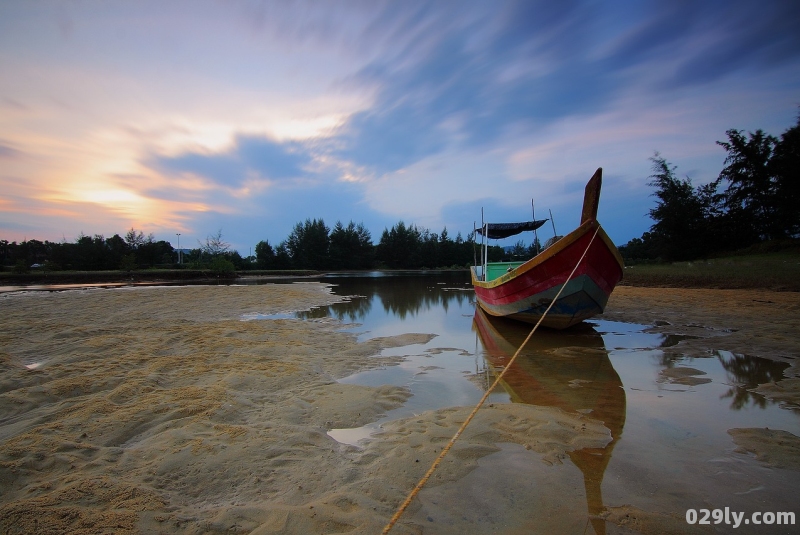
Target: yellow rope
(461, 429)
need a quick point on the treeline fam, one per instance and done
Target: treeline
(87, 253)
(754, 200)
(310, 246)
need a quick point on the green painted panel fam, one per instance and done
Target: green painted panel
(495, 270)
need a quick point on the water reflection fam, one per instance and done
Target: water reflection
(746, 372)
(741, 373)
(399, 296)
(675, 425)
(571, 371)
(629, 336)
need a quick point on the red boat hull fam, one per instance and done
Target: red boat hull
(525, 292)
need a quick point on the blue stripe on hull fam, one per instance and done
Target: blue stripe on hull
(580, 300)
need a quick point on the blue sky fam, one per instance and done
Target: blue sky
(248, 117)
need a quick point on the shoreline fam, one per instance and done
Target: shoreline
(22, 280)
(161, 410)
(663, 276)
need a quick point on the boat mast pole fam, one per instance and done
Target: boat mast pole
(535, 232)
(480, 248)
(553, 222)
(483, 247)
(474, 252)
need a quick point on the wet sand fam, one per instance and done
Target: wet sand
(158, 410)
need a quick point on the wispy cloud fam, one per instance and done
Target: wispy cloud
(253, 116)
(247, 157)
(8, 153)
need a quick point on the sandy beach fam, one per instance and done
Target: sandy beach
(176, 410)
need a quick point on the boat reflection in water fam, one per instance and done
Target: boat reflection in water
(569, 370)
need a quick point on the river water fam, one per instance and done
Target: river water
(668, 414)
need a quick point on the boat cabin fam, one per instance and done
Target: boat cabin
(495, 270)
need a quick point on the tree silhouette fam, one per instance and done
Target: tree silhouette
(754, 199)
(265, 256)
(215, 245)
(750, 197)
(308, 245)
(785, 164)
(350, 247)
(678, 214)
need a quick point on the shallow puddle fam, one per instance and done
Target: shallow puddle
(456, 366)
(668, 414)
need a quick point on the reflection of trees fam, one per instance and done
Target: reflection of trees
(748, 372)
(347, 312)
(408, 297)
(400, 295)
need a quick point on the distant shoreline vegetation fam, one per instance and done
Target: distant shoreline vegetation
(753, 205)
(772, 271)
(310, 246)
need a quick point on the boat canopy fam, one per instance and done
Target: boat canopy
(497, 231)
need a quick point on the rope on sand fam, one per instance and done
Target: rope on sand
(461, 429)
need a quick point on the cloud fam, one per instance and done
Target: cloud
(9, 153)
(471, 78)
(256, 189)
(272, 160)
(477, 76)
(751, 36)
(697, 42)
(262, 114)
(271, 214)
(247, 156)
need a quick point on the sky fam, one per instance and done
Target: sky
(249, 117)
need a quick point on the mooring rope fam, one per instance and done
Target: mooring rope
(461, 429)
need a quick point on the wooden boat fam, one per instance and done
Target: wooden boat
(571, 371)
(523, 290)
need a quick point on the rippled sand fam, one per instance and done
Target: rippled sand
(159, 410)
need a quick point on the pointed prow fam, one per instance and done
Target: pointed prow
(591, 197)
